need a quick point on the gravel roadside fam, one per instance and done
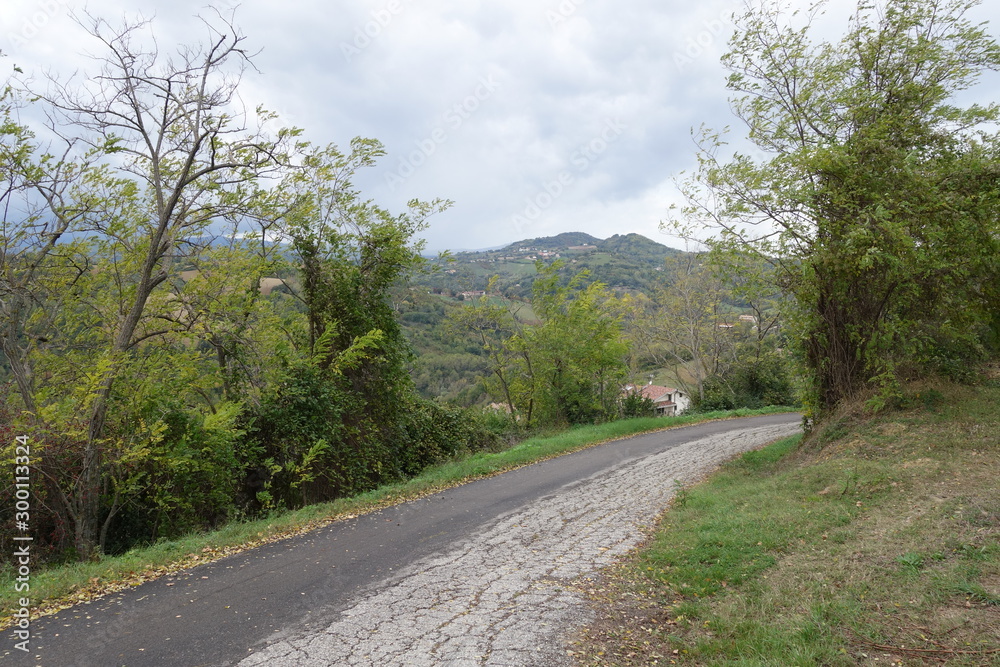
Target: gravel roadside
(505, 595)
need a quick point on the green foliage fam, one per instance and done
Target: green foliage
(677, 325)
(876, 197)
(911, 561)
(186, 476)
(303, 444)
(568, 367)
(448, 362)
(309, 442)
(172, 379)
(749, 382)
(578, 352)
(622, 262)
(495, 325)
(351, 253)
(438, 433)
(634, 404)
(103, 240)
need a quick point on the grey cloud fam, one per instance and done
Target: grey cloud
(396, 69)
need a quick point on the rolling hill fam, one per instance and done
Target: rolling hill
(623, 262)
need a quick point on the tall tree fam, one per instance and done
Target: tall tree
(877, 202)
(493, 321)
(351, 252)
(579, 353)
(179, 150)
(40, 209)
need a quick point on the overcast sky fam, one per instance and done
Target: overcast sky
(534, 116)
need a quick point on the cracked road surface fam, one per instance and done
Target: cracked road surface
(484, 574)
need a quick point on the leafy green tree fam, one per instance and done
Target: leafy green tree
(39, 262)
(174, 362)
(493, 320)
(221, 302)
(352, 253)
(875, 198)
(569, 366)
(758, 376)
(179, 157)
(578, 349)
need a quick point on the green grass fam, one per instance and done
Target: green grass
(523, 268)
(877, 537)
(57, 586)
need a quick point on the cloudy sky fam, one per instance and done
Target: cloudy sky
(534, 116)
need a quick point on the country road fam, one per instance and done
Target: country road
(483, 574)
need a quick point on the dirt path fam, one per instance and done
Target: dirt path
(505, 595)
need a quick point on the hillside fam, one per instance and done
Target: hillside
(447, 366)
(876, 540)
(624, 262)
(557, 242)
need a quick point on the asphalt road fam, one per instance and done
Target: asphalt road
(482, 574)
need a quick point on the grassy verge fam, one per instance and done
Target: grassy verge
(57, 587)
(875, 541)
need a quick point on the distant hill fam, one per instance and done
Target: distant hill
(624, 261)
(448, 364)
(622, 244)
(636, 246)
(557, 242)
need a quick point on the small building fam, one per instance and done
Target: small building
(667, 401)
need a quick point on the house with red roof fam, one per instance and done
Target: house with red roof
(667, 401)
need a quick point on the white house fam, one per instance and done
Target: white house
(667, 401)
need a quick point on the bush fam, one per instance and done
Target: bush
(313, 440)
(188, 476)
(437, 433)
(749, 383)
(635, 404)
(310, 441)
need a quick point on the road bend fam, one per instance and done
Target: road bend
(483, 574)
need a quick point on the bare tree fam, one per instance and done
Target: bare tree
(681, 326)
